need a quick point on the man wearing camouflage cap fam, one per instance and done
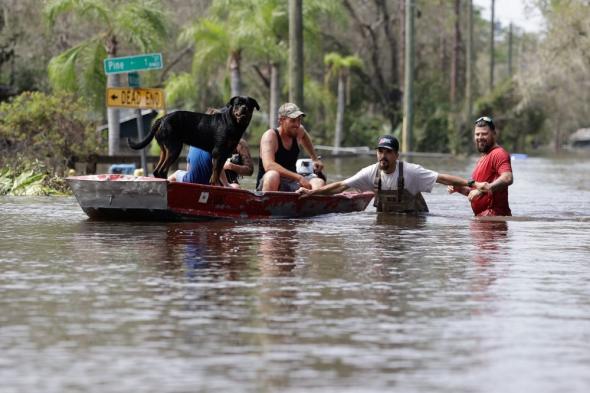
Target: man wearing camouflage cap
(279, 150)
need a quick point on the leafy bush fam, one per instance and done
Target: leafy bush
(32, 180)
(520, 122)
(51, 129)
(434, 136)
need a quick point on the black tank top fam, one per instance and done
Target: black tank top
(285, 158)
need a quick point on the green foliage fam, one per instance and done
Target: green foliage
(32, 180)
(79, 69)
(254, 33)
(51, 129)
(364, 129)
(433, 132)
(519, 122)
(320, 114)
(338, 62)
(434, 135)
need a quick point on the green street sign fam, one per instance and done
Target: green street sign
(133, 79)
(118, 65)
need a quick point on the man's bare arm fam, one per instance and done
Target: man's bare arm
(247, 167)
(305, 140)
(500, 183)
(328, 189)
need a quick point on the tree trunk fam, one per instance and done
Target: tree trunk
(113, 120)
(235, 77)
(469, 65)
(296, 52)
(275, 95)
(340, 111)
(408, 122)
(510, 50)
(492, 57)
(557, 141)
(113, 117)
(456, 53)
(402, 40)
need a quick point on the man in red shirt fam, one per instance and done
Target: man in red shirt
(493, 170)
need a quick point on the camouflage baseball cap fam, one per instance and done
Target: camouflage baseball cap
(290, 110)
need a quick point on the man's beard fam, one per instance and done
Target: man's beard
(484, 148)
(383, 164)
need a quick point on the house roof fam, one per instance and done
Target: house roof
(583, 134)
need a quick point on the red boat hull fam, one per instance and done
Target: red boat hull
(131, 197)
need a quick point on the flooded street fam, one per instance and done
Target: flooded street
(338, 303)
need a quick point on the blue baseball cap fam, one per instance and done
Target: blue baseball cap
(388, 142)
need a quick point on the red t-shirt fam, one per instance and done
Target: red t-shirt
(488, 169)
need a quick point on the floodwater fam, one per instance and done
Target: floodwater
(339, 303)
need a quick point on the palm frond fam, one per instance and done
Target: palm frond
(91, 9)
(94, 79)
(144, 26)
(179, 88)
(62, 69)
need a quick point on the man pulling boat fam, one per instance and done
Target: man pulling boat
(398, 185)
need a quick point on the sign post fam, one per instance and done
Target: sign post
(135, 97)
(140, 134)
(134, 81)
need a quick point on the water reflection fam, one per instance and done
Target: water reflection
(401, 221)
(491, 242)
(398, 235)
(277, 261)
(277, 251)
(489, 239)
(209, 250)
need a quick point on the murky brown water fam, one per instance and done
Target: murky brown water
(338, 303)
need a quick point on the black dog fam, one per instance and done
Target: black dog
(217, 133)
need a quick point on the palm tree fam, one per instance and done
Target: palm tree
(269, 23)
(341, 66)
(296, 51)
(79, 69)
(236, 29)
(215, 45)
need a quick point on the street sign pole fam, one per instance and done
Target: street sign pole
(133, 97)
(142, 152)
(133, 80)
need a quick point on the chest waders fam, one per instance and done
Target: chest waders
(397, 201)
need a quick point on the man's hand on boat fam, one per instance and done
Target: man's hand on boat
(304, 192)
(328, 189)
(303, 182)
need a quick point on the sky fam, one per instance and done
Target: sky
(515, 11)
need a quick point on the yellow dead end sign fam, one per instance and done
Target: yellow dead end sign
(129, 97)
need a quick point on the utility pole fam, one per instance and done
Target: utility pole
(296, 52)
(408, 122)
(510, 50)
(492, 47)
(469, 65)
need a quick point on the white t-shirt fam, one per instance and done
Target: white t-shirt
(416, 178)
